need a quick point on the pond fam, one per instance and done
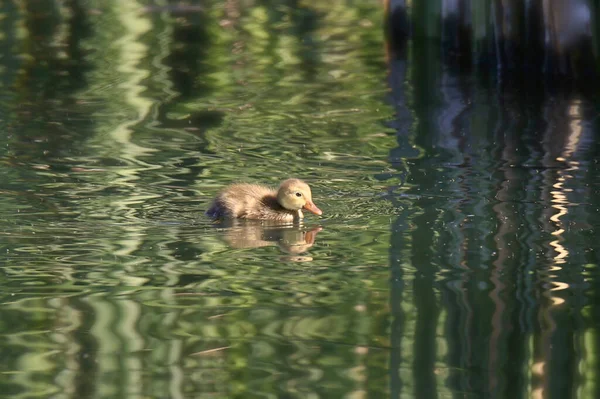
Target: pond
(456, 255)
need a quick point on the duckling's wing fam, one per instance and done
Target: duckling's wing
(240, 201)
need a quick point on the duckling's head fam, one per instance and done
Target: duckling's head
(294, 194)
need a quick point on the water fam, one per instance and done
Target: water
(456, 256)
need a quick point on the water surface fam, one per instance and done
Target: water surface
(456, 256)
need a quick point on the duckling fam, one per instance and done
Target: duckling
(253, 201)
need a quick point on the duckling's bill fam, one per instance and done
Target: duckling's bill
(309, 206)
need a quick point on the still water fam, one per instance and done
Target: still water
(457, 253)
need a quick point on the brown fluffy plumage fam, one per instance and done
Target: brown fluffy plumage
(253, 201)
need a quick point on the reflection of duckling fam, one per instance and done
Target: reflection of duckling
(252, 201)
(251, 234)
(297, 242)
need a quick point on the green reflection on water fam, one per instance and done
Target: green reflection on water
(115, 283)
(444, 258)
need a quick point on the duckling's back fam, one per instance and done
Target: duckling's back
(242, 200)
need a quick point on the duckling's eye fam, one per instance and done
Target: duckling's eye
(298, 194)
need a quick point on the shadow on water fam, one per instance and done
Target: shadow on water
(500, 233)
